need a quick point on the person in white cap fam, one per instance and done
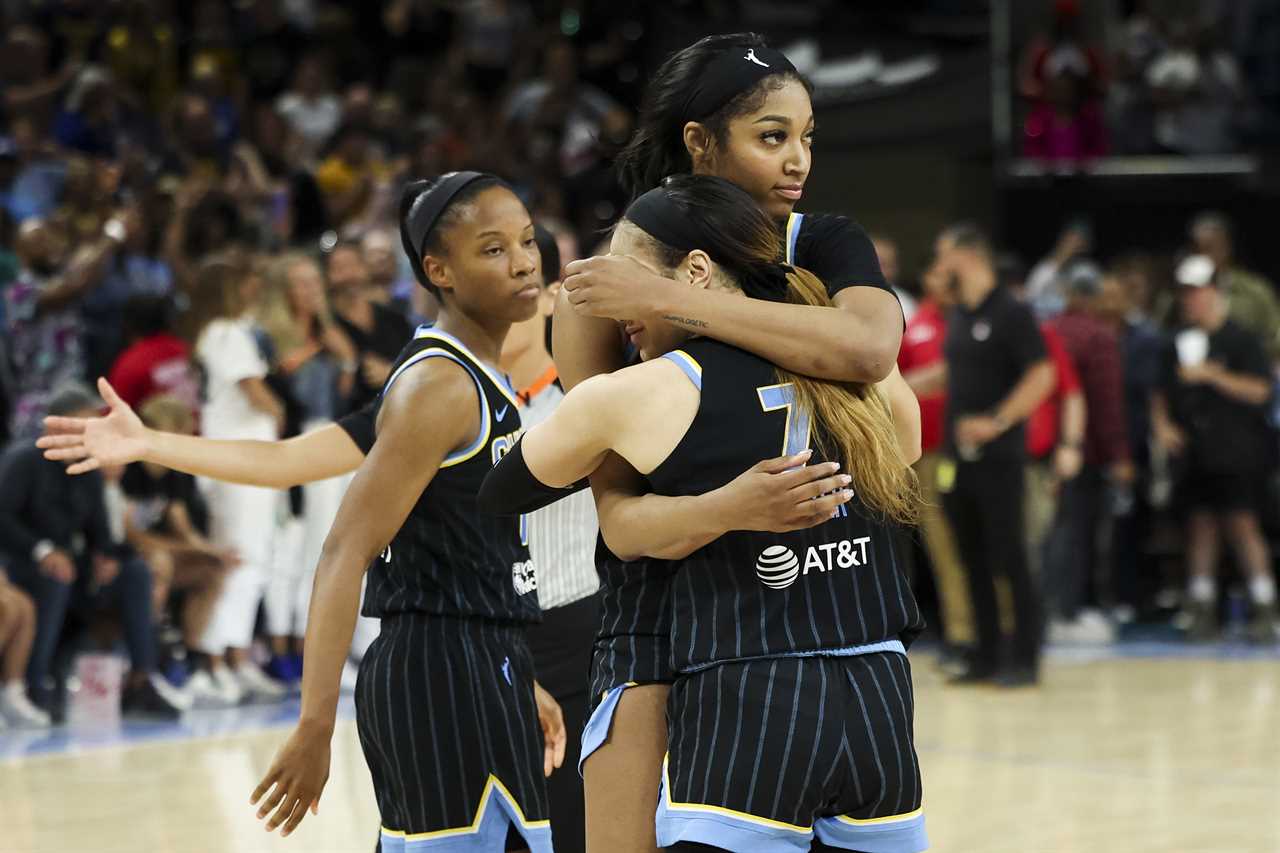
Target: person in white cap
(1251, 299)
(1209, 412)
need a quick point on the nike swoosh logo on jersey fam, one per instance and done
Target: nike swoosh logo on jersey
(502, 413)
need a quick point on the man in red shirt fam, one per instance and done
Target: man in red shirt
(1055, 447)
(155, 360)
(920, 359)
(1092, 344)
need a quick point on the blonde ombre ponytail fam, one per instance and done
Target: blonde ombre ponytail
(852, 421)
(855, 426)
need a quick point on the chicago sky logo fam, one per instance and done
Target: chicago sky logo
(778, 567)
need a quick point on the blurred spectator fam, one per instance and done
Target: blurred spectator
(492, 44)
(203, 222)
(141, 50)
(238, 405)
(921, 361)
(1077, 555)
(887, 253)
(349, 176)
(31, 175)
(17, 633)
(1064, 50)
(155, 361)
(54, 528)
(1210, 413)
(209, 82)
(1197, 89)
(86, 202)
(198, 151)
(1066, 127)
(389, 285)
(1124, 292)
(997, 373)
(136, 271)
(319, 363)
(565, 124)
(44, 329)
(166, 523)
(1130, 110)
(91, 119)
(1251, 299)
(1044, 286)
(311, 106)
(1055, 450)
(378, 332)
(310, 349)
(28, 85)
(270, 46)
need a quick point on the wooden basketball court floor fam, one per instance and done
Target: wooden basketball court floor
(1115, 753)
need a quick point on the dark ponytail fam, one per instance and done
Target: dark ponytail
(657, 149)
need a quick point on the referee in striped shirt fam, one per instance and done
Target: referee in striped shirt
(562, 541)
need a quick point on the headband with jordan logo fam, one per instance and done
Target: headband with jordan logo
(731, 73)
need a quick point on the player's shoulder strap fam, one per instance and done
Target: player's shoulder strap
(429, 341)
(703, 357)
(794, 222)
(432, 343)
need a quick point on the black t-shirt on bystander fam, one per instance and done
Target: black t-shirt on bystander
(988, 351)
(152, 496)
(1225, 435)
(391, 331)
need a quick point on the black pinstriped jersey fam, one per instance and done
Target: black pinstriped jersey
(448, 557)
(747, 595)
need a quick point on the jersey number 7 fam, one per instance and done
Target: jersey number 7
(796, 434)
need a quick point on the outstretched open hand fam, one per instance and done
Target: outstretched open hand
(116, 438)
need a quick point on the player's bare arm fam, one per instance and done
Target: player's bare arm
(428, 413)
(119, 437)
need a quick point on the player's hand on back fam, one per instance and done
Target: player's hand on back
(784, 494)
(116, 438)
(296, 779)
(554, 736)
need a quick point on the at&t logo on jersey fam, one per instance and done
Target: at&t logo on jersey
(778, 567)
(523, 577)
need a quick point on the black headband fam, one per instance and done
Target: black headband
(656, 214)
(731, 73)
(432, 202)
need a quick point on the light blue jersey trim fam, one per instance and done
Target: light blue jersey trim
(688, 364)
(503, 383)
(482, 437)
(498, 810)
(896, 834)
(740, 832)
(884, 647)
(794, 221)
(596, 731)
(724, 828)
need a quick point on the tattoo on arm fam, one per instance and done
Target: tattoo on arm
(686, 321)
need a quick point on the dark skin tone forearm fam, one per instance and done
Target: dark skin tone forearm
(430, 411)
(856, 344)
(84, 272)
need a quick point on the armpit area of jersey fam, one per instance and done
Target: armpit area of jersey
(511, 489)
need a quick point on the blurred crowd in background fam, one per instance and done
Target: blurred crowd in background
(197, 201)
(1176, 78)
